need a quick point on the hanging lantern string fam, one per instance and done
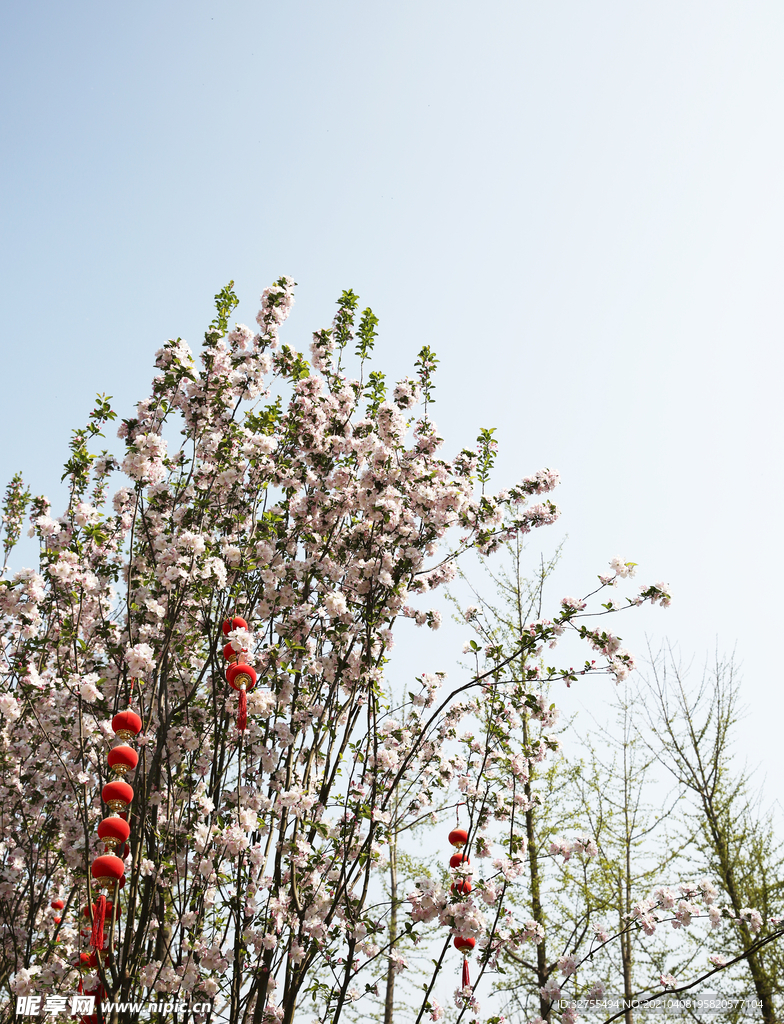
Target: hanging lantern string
(242, 710)
(458, 838)
(239, 675)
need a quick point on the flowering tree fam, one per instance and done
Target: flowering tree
(303, 513)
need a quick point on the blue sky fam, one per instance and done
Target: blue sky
(578, 206)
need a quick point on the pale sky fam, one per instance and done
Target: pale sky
(579, 206)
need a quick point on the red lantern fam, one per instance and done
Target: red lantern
(458, 837)
(235, 623)
(229, 653)
(465, 944)
(117, 795)
(126, 724)
(122, 759)
(57, 905)
(106, 872)
(113, 832)
(241, 677)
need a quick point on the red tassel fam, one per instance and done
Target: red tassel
(466, 978)
(242, 714)
(99, 917)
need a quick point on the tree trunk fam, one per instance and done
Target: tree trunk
(762, 985)
(624, 906)
(389, 998)
(536, 894)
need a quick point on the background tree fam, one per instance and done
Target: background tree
(631, 835)
(736, 840)
(578, 888)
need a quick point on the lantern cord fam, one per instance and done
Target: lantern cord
(466, 978)
(242, 714)
(99, 917)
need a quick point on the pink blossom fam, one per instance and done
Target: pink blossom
(561, 848)
(45, 526)
(708, 891)
(751, 917)
(335, 603)
(397, 963)
(621, 568)
(87, 688)
(240, 639)
(567, 965)
(532, 932)
(139, 659)
(666, 898)
(586, 845)
(9, 707)
(551, 990)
